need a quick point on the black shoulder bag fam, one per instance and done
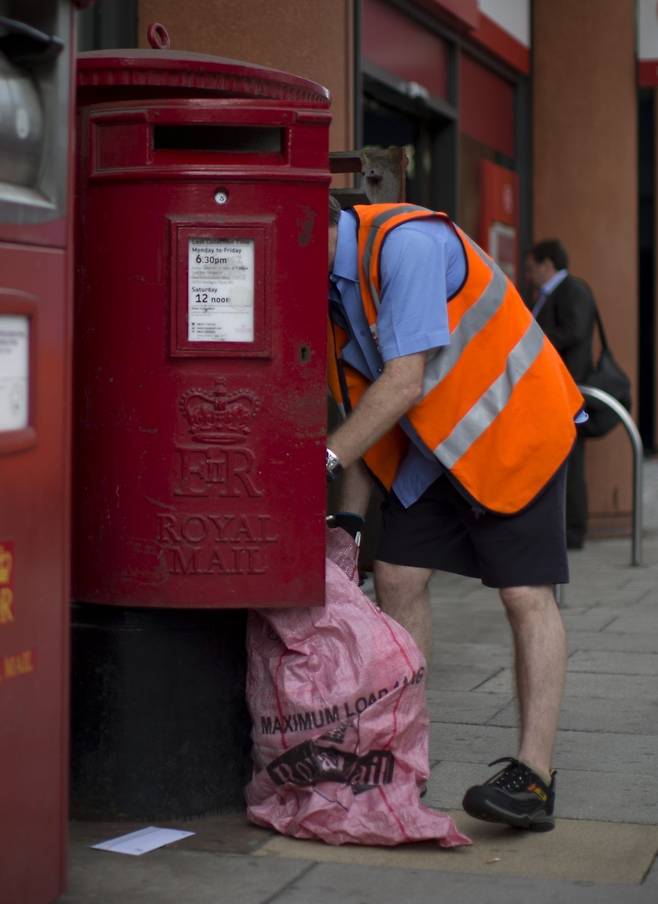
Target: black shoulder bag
(608, 376)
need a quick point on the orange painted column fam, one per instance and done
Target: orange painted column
(585, 190)
(313, 39)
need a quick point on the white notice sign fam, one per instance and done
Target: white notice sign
(220, 290)
(14, 370)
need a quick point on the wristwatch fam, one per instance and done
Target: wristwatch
(334, 466)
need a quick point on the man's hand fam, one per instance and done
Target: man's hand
(382, 405)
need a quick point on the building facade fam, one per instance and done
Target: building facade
(523, 119)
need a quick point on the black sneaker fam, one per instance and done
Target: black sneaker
(516, 796)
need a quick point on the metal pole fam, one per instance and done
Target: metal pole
(636, 443)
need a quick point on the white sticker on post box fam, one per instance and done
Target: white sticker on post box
(14, 371)
(220, 290)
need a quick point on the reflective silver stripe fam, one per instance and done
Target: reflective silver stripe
(441, 362)
(491, 403)
(372, 235)
(480, 253)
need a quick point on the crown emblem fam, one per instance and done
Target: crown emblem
(6, 564)
(218, 416)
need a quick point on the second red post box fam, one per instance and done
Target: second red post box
(37, 41)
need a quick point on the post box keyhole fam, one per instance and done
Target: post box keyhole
(304, 354)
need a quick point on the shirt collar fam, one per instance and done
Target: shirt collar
(551, 284)
(346, 264)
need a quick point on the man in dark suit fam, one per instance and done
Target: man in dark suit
(565, 310)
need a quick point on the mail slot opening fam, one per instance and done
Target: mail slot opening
(226, 139)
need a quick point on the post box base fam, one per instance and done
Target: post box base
(160, 728)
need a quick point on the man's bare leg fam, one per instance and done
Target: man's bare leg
(540, 667)
(403, 594)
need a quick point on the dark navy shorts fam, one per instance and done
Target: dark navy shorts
(445, 532)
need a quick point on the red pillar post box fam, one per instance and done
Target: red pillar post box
(200, 395)
(36, 42)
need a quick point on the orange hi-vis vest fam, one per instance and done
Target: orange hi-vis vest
(497, 405)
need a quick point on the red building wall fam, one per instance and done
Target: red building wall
(585, 188)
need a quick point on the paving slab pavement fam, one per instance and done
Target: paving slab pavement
(176, 876)
(604, 847)
(602, 852)
(355, 884)
(607, 685)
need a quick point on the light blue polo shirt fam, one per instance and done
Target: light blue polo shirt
(422, 265)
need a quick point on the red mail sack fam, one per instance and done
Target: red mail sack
(340, 725)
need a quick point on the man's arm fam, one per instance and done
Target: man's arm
(355, 489)
(382, 405)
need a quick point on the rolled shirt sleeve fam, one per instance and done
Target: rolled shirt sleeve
(413, 314)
